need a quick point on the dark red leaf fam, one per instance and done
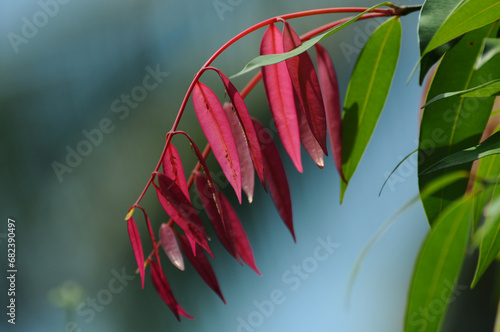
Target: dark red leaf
(172, 167)
(279, 92)
(275, 175)
(306, 85)
(309, 141)
(162, 287)
(215, 126)
(170, 246)
(135, 240)
(202, 265)
(331, 98)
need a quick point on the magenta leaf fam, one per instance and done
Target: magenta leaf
(162, 287)
(135, 240)
(331, 98)
(279, 92)
(202, 265)
(310, 142)
(306, 85)
(275, 175)
(215, 126)
(170, 246)
(172, 167)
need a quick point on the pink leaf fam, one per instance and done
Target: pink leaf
(309, 141)
(275, 175)
(172, 167)
(247, 170)
(135, 240)
(170, 246)
(306, 85)
(240, 118)
(202, 265)
(162, 287)
(279, 92)
(237, 234)
(330, 89)
(215, 126)
(181, 211)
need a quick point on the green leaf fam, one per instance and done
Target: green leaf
(367, 91)
(453, 124)
(271, 59)
(491, 48)
(470, 15)
(432, 16)
(487, 148)
(437, 269)
(489, 89)
(490, 242)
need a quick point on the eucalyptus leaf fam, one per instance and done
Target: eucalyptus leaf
(492, 88)
(491, 48)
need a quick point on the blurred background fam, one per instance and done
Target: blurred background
(73, 69)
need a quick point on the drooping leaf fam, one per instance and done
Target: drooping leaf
(469, 15)
(135, 240)
(452, 124)
(366, 94)
(237, 235)
(490, 240)
(215, 126)
(279, 91)
(162, 287)
(491, 88)
(432, 16)
(202, 265)
(491, 48)
(274, 173)
(306, 85)
(240, 118)
(170, 246)
(247, 169)
(308, 140)
(331, 98)
(172, 167)
(270, 59)
(181, 211)
(438, 267)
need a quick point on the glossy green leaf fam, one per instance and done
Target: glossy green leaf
(437, 269)
(489, 89)
(432, 16)
(452, 124)
(491, 48)
(366, 94)
(271, 59)
(470, 15)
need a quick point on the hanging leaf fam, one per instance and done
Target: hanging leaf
(491, 88)
(162, 287)
(240, 118)
(247, 169)
(170, 246)
(308, 140)
(306, 86)
(366, 94)
(172, 167)
(331, 98)
(275, 175)
(279, 92)
(215, 126)
(437, 269)
(135, 240)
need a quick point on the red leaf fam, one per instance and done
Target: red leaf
(241, 119)
(215, 126)
(237, 234)
(309, 141)
(220, 224)
(247, 170)
(172, 167)
(330, 89)
(135, 240)
(162, 287)
(181, 211)
(279, 92)
(202, 265)
(306, 85)
(170, 246)
(275, 175)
